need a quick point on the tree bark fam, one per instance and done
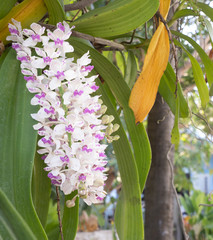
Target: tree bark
(159, 192)
(159, 195)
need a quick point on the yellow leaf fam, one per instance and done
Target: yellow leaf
(164, 8)
(27, 12)
(145, 89)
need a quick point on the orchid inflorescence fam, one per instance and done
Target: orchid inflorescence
(70, 119)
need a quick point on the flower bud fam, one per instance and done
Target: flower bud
(116, 137)
(115, 127)
(82, 193)
(109, 129)
(105, 119)
(102, 110)
(111, 118)
(109, 139)
(98, 183)
(70, 203)
(100, 101)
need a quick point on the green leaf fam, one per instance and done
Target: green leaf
(175, 135)
(17, 142)
(141, 146)
(210, 30)
(166, 93)
(52, 226)
(206, 9)
(6, 6)
(12, 225)
(198, 77)
(211, 91)
(208, 64)
(167, 90)
(117, 17)
(41, 189)
(181, 13)
(70, 218)
(3, 56)
(131, 69)
(55, 10)
(125, 220)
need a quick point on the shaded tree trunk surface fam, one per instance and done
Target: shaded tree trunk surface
(159, 195)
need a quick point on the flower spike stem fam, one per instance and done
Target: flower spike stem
(59, 212)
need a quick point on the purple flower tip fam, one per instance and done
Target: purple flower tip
(100, 198)
(65, 159)
(59, 74)
(86, 110)
(85, 148)
(49, 141)
(14, 31)
(76, 92)
(47, 59)
(36, 37)
(58, 41)
(99, 136)
(95, 88)
(42, 95)
(87, 68)
(30, 78)
(82, 177)
(69, 128)
(61, 27)
(102, 155)
(100, 169)
(24, 59)
(51, 110)
(43, 157)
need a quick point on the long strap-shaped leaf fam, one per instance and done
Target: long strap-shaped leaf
(117, 17)
(145, 89)
(129, 221)
(167, 90)
(208, 64)
(6, 6)
(17, 142)
(198, 77)
(12, 225)
(206, 9)
(55, 11)
(41, 189)
(26, 12)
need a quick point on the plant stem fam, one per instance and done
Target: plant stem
(59, 212)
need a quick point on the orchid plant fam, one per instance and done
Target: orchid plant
(70, 119)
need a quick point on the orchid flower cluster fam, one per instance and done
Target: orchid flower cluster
(70, 119)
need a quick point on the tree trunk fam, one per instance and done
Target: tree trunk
(159, 195)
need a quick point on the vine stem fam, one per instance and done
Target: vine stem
(173, 48)
(59, 212)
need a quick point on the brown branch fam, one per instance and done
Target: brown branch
(100, 41)
(206, 205)
(93, 40)
(132, 37)
(78, 5)
(173, 47)
(59, 213)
